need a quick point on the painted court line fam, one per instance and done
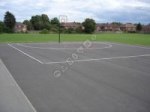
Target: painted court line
(26, 54)
(129, 45)
(88, 60)
(108, 46)
(84, 60)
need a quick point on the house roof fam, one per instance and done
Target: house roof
(71, 24)
(107, 25)
(128, 25)
(19, 24)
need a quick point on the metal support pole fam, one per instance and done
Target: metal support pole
(59, 34)
(62, 19)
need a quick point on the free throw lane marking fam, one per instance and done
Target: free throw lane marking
(26, 54)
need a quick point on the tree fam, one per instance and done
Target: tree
(139, 27)
(28, 23)
(70, 30)
(45, 18)
(9, 21)
(40, 22)
(1, 27)
(79, 29)
(55, 25)
(46, 22)
(55, 21)
(36, 22)
(89, 25)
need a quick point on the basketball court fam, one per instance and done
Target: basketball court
(81, 76)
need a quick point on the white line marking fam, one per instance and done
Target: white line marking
(26, 54)
(84, 60)
(87, 60)
(108, 46)
(128, 45)
(21, 91)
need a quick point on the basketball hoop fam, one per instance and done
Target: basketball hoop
(62, 20)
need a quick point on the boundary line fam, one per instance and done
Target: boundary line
(108, 46)
(26, 54)
(128, 45)
(88, 60)
(19, 88)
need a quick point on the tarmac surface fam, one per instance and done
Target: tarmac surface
(81, 77)
(12, 98)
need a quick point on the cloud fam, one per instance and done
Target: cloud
(100, 10)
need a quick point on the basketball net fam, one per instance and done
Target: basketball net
(63, 19)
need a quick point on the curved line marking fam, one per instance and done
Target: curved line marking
(108, 46)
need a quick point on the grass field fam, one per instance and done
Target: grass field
(135, 39)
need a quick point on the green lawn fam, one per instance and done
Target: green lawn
(136, 39)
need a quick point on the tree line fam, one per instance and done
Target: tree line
(42, 22)
(45, 25)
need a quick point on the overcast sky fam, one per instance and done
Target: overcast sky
(77, 10)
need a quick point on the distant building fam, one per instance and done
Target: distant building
(19, 27)
(106, 27)
(116, 27)
(101, 27)
(128, 27)
(146, 29)
(72, 25)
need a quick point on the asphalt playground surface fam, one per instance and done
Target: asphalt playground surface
(81, 77)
